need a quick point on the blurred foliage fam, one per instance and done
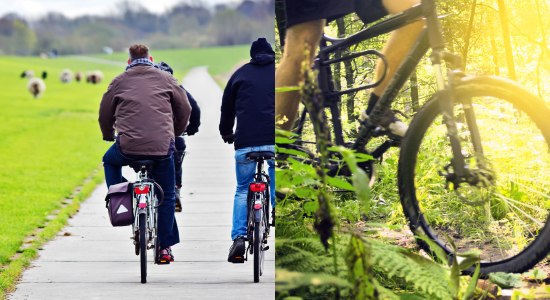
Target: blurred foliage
(372, 268)
(185, 25)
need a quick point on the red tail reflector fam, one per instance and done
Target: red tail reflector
(142, 205)
(257, 187)
(141, 189)
(258, 206)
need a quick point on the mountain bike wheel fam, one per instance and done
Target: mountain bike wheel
(257, 244)
(143, 247)
(505, 213)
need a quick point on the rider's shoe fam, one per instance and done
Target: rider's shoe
(165, 256)
(178, 200)
(389, 122)
(236, 251)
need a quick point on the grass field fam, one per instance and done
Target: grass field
(51, 145)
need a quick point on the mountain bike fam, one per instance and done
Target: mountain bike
(473, 170)
(147, 196)
(258, 212)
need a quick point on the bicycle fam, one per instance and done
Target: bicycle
(457, 188)
(258, 212)
(147, 196)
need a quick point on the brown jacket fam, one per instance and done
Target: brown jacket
(147, 108)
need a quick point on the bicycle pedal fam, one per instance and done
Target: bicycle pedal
(238, 260)
(163, 262)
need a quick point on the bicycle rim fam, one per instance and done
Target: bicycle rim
(257, 243)
(504, 215)
(265, 225)
(143, 247)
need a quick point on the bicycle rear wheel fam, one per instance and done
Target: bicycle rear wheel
(258, 253)
(504, 213)
(143, 246)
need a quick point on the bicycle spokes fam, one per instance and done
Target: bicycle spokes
(501, 201)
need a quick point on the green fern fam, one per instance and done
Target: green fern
(426, 276)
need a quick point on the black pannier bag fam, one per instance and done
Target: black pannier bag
(119, 204)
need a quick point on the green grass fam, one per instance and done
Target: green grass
(51, 145)
(220, 60)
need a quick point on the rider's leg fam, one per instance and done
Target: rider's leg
(397, 46)
(113, 160)
(163, 173)
(289, 72)
(244, 170)
(178, 160)
(271, 171)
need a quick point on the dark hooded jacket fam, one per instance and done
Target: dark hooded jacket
(250, 98)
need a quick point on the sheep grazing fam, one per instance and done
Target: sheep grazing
(78, 76)
(36, 87)
(27, 74)
(94, 77)
(66, 76)
(44, 74)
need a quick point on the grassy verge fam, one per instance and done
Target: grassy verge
(11, 272)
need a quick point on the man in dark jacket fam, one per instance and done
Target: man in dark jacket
(250, 98)
(147, 109)
(192, 128)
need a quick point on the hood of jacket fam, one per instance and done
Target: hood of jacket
(261, 52)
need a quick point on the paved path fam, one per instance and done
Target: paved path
(96, 261)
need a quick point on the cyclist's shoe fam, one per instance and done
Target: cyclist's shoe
(178, 200)
(236, 252)
(389, 122)
(165, 256)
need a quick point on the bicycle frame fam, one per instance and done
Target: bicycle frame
(430, 38)
(145, 202)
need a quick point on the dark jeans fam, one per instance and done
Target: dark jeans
(178, 158)
(163, 174)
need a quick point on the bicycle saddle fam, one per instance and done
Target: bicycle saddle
(136, 165)
(260, 155)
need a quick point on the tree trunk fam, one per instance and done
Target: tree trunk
(469, 33)
(350, 101)
(348, 69)
(414, 91)
(506, 37)
(494, 48)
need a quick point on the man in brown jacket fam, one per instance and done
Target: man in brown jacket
(147, 109)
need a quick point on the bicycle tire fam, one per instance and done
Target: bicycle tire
(415, 198)
(257, 243)
(156, 245)
(143, 247)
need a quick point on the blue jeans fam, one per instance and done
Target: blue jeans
(163, 174)
(245, 170)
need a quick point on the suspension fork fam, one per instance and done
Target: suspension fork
(470, 116)
(446, 103)
(445, 90)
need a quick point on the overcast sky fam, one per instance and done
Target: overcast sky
(74, 8)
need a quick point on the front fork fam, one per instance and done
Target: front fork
(460, 171)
